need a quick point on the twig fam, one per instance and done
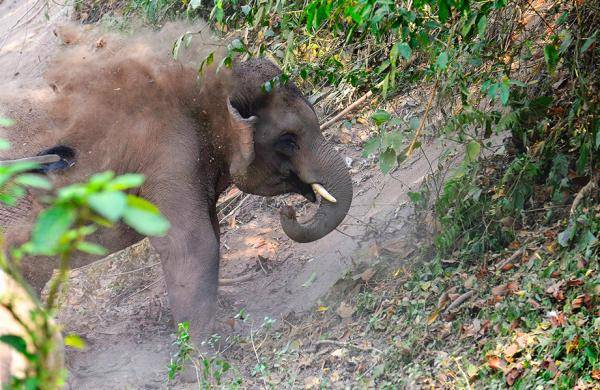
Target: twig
(135, 270)
(257, 358)
(136, 292)
(463, 374)
(239, 279)
(541, 17)
(346, 345)
(346, 110)
(512, 257)
(413, 143)
(459, 301)
(583, 192)
(236, 208)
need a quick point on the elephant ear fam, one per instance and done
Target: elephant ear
(242, 141)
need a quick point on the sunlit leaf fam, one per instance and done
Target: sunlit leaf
(387, 160)
(380, 117)
(51, 225)
(5, 122)
(146, 222)
(442, 61)
(35, 181)
(74, 341)
(18, 344)
(110, 205)
(91, 248)
(473, 150)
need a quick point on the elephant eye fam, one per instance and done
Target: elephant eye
(287, 144)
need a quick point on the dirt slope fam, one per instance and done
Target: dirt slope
(119, 305)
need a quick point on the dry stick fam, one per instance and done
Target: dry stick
(583, 192)
(412, 145)
(346, 345)
(541, 17)
(239, 279)
(346, 110)
(459, 301)
(512, 257)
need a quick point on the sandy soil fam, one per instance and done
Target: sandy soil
(119, 305)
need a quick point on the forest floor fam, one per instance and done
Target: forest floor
(364, 307)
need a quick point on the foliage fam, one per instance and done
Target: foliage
(73, 214)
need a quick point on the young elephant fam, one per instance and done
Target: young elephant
(191, 140)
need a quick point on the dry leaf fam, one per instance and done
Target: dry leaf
(433, 316)
(312, 382)
(513, 375)
(367, 274)
(596, 374)
(557, 319)
(573, 344)
(511, 351)
(550, 365)
(230, 322)
(580, 300)
(339, 353)
(496, 363)
(345, 310)
(322, 309)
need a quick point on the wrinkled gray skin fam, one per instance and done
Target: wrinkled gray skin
(227, 130)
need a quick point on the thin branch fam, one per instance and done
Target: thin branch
(346, 110)
(413, 143)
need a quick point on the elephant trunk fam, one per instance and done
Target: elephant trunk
(324, 167)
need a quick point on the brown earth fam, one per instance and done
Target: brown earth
(119, 305)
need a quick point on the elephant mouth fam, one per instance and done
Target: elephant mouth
(302, 188)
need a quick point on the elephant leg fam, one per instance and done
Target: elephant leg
(190, 260)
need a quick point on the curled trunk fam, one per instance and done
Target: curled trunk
(324, 167)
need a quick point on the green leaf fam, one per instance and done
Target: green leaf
(380, 117)
(125, 182)
(110, 205)
(482, 25)
(91, 248)
(442, 61)
(473, 150)
(18, 344)
(100, 179)
(565, 237)
(51, 225)
(35, 181)
(5, 122)
(246, 9)
(504, 93)
(414, 197)
(443, 10)
(210, 58)
(551, 56)
(142, 204)
(414, 123)
(371, 146)
(195, 4)
(74, 341)
(394, 140)
(588, 42)
(146, 222)
(4, 144)
(387, 160)
(400, 49)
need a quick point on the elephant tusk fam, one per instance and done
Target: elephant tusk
(43, 159)
(319, 189)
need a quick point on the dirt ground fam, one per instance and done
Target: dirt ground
(119, 305)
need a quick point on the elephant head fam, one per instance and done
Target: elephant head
(275, 146)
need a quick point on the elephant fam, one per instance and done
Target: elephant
(191, 138)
